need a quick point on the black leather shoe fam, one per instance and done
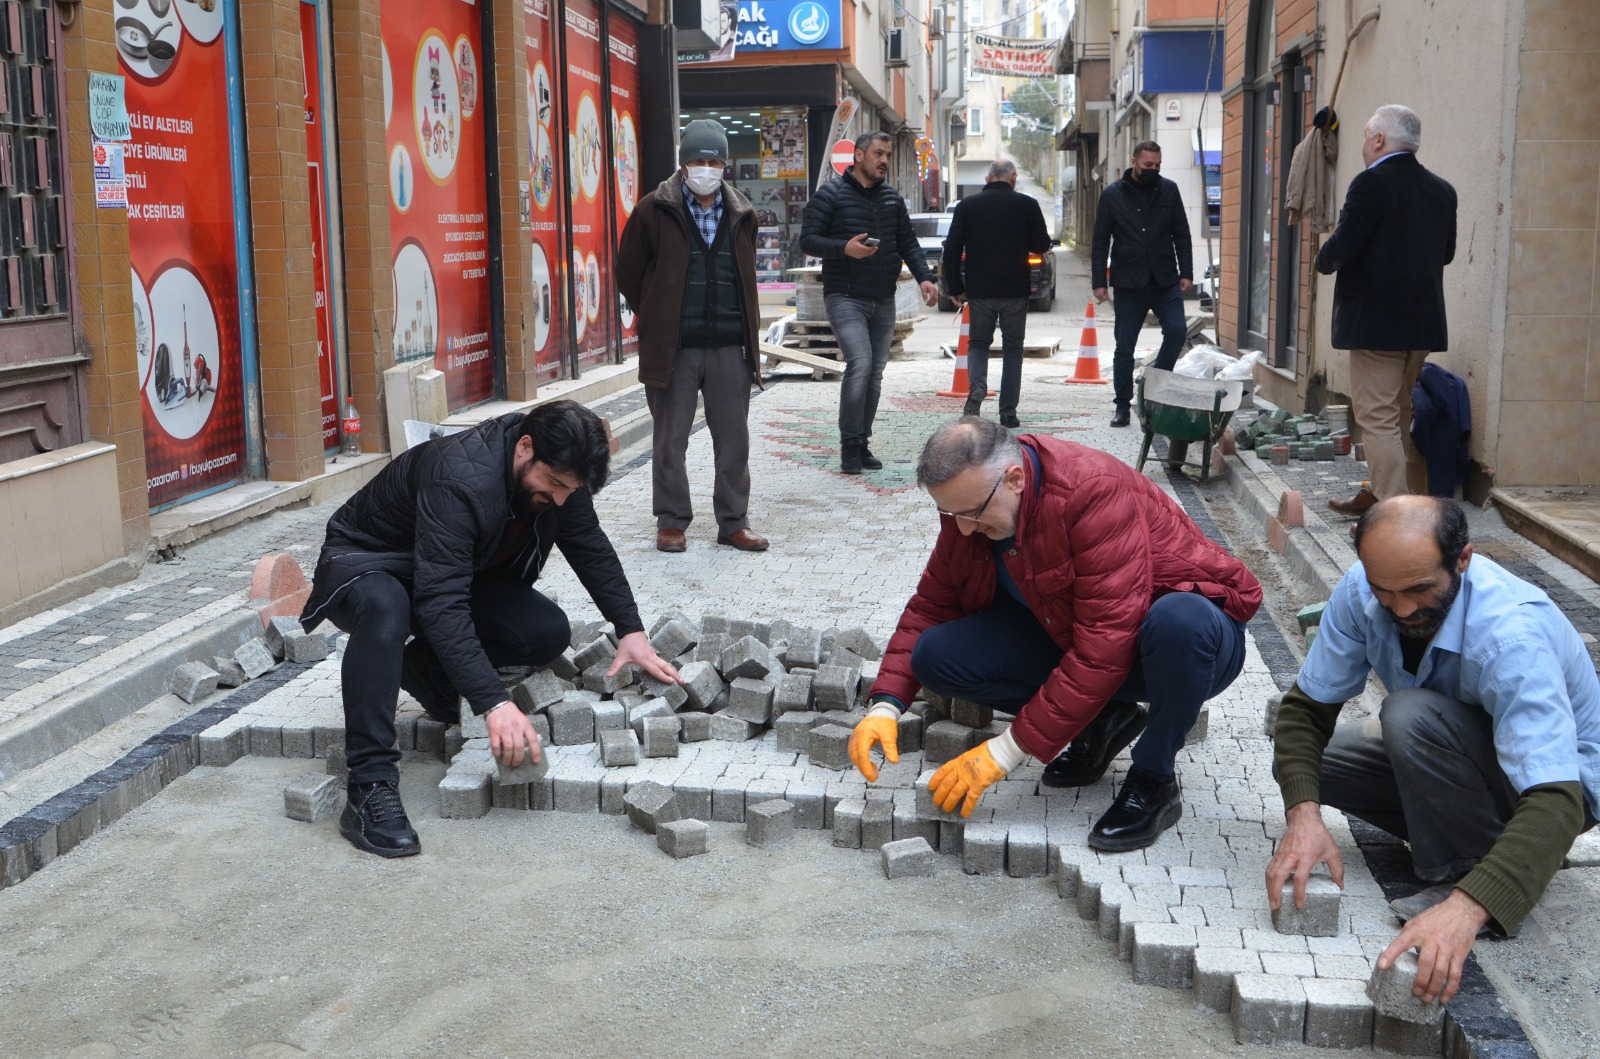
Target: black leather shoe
(422, 677)
(869, 461)
(850, 459)
(1143, 808)
(1120, 419)
(375, 821)
(1010, 422)
(1090, 754)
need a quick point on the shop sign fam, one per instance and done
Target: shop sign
(1012, 57)
(789, 25)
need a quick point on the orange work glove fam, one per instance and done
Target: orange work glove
(873, 729)
(968, 776)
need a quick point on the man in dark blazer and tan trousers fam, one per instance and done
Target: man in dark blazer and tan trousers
(1396, 233)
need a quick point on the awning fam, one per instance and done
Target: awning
(1208, 158)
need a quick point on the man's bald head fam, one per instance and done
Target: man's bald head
(1412, 525)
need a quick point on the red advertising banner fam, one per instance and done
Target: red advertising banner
(624, 33)
(182, 244)
(593, 304)
(546, 189)
(319, 221)
(438, 191)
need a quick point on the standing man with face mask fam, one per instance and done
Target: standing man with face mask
(444, 547)
(1484, 756)
(1142, 230)
(861, 229)
(687, 265)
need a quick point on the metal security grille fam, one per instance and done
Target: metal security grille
(33, 268)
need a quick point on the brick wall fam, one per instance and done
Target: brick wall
(511, 103)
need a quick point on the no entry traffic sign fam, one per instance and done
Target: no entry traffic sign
(843, 155)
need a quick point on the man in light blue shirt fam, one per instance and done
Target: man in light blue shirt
(1485, 755)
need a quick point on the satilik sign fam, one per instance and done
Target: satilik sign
(789, 25)
(1011, 57)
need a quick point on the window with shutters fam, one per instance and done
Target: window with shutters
(41, 404)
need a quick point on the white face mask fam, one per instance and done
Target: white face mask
(702, 179)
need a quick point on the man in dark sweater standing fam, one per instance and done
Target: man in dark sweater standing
(1142, 230)
(861, 229)
(687, 265)
(1485, 755)
(991, 235)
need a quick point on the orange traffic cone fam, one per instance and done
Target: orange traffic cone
(961, 386)
(1088, 369)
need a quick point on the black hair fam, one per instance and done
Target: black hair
(867, 139)
(570, 439)
(1146, 147)
(1449, 528)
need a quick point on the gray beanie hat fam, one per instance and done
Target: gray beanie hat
(703, 138)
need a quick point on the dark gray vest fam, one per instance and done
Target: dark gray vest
(711, 313)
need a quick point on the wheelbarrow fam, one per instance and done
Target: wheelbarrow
(1182, 410)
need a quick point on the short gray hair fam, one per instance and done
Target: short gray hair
(970, 441)
(1002, 169)
(1401, 128)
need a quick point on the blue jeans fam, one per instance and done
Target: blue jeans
(864, 329)
(1188, 651)
(1012, 316)
(1131, 304)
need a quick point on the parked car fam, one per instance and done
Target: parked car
(1208, 286)
(1041, 281)
(931, 228)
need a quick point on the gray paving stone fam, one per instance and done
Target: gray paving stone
(527, 772)
(750, 699)
(649, 805)
(1338, 965)
(1338, 1013)
(952, 837)
(313, 797)
(674, 638)
(809, 799)
(971, 714)
(1299, 964)
(230, 674)
(599, 678)
(794, 730)
(945, 740)
(564, 668)
(728, 728)
(661, 736)
(858, 640)
(1319, 918)
(834, 687)
(1163, 955)
(609, 716)
(507, 795)
(909, 737)
(473, 726)
(676, 695)
(299, 740)
(906, 858)
(694, 727)
(1396, 1035)
(1391, 996)
(769, 822)
(266, 740)
(1201, 727)
(305, 646)
(748, 657)
(728, 800)
(694, 795)
(1092, 878)
(683, 838)
(596, 651)
(847, 823)
(275, 631)
(255, 658)
(571, 722)
(983, 849)
(222, 745)
(429, 737)
(1268, 1009)
(701, 684)
(828, 747)
(908, 823)
(192, 681)
(613, 788)
(877, 824)
(710, 647)
(1027, 851)
(805, 648)
(463, 795)
(1214, 970)
(793, 695)
(1113, 896)
(637, 714)
(542, 688)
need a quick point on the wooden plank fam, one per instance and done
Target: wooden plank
(795, 356)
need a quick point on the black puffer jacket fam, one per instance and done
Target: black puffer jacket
(1145, 234)
(433, 519)
(841, 210)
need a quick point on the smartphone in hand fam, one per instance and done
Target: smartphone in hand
(870, 240)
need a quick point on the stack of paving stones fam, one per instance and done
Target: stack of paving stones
(763, 719)
(1281, 437)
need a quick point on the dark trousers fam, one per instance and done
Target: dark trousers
(516, 625)
(1011, 314)
(1131, 304)
(722, 375)
(864, 329)
(1424, 770)
(1188, 651)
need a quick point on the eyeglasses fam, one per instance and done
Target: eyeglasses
(978, 514)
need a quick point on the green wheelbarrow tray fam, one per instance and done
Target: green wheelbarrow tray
(1182, 409)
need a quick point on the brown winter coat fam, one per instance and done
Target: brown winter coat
(653, 263)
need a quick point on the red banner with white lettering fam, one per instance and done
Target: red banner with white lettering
(1013, 57)
(593, 288)
(546, 188)
(183, 245)
(625, 145)
(438, 191)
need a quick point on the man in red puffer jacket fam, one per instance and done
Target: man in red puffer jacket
(1064, 588)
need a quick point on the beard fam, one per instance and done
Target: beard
(1425, 621)
(524, 504)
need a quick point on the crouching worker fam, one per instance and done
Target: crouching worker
(1064, 588)
(444, 546)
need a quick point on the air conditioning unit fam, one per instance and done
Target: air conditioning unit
(895, 48)
(936, 24)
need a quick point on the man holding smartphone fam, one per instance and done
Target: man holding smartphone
(859, 226)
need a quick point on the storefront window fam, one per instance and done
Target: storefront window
(1259, 172)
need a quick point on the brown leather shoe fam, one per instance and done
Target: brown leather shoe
(744, 540)
(670, 540)
(1357, 505)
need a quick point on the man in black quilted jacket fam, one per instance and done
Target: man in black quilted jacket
(444, 546)
(1142, 229)
(861, 229)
